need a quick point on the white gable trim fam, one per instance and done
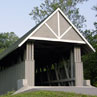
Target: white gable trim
(58, 24)
(58, 40)
(65, 31)
(51, 30)
(58, 28)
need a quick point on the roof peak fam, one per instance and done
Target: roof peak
(50, 25)
(61, 12)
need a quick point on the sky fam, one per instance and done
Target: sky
(14, 15)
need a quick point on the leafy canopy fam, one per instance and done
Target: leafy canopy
(67, 6)
(7, 39)
(90, 60)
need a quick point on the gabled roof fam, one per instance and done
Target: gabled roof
(56, 27)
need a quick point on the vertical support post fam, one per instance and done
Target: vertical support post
(72, 65)
(29, 64)
(78, 66)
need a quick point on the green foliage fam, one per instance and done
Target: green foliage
(90, 67)
(7, 39)
(67, 6)
(90, 60)
(47, 94)
(91, 36)
(95, 23)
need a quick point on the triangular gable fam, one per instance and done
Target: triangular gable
(53, 23)
(64, 25)
(44, 31)
(57, 27)
(72, 35)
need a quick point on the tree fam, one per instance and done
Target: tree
(90, 60)
(67, 6)
(95, 8)
(7, 39)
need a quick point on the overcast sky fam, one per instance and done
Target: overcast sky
(14, 15)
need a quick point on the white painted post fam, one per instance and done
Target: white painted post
(78, 66)
(30, 65)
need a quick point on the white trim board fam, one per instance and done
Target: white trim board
(66, 31)
(58, 24)
(57, 40)
(51, 30)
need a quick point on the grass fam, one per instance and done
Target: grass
(46, 94)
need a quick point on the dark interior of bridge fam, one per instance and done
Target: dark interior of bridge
(52, 63)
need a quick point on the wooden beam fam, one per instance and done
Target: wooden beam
(56, 72)
(48, 75)
(66, 70)
(57, 81)
(60, 76)
(72, 65)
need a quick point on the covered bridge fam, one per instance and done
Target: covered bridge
(48, 55)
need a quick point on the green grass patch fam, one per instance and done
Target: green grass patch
(45, 94)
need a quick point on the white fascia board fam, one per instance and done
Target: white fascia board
(76, 29)
(57, 40)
